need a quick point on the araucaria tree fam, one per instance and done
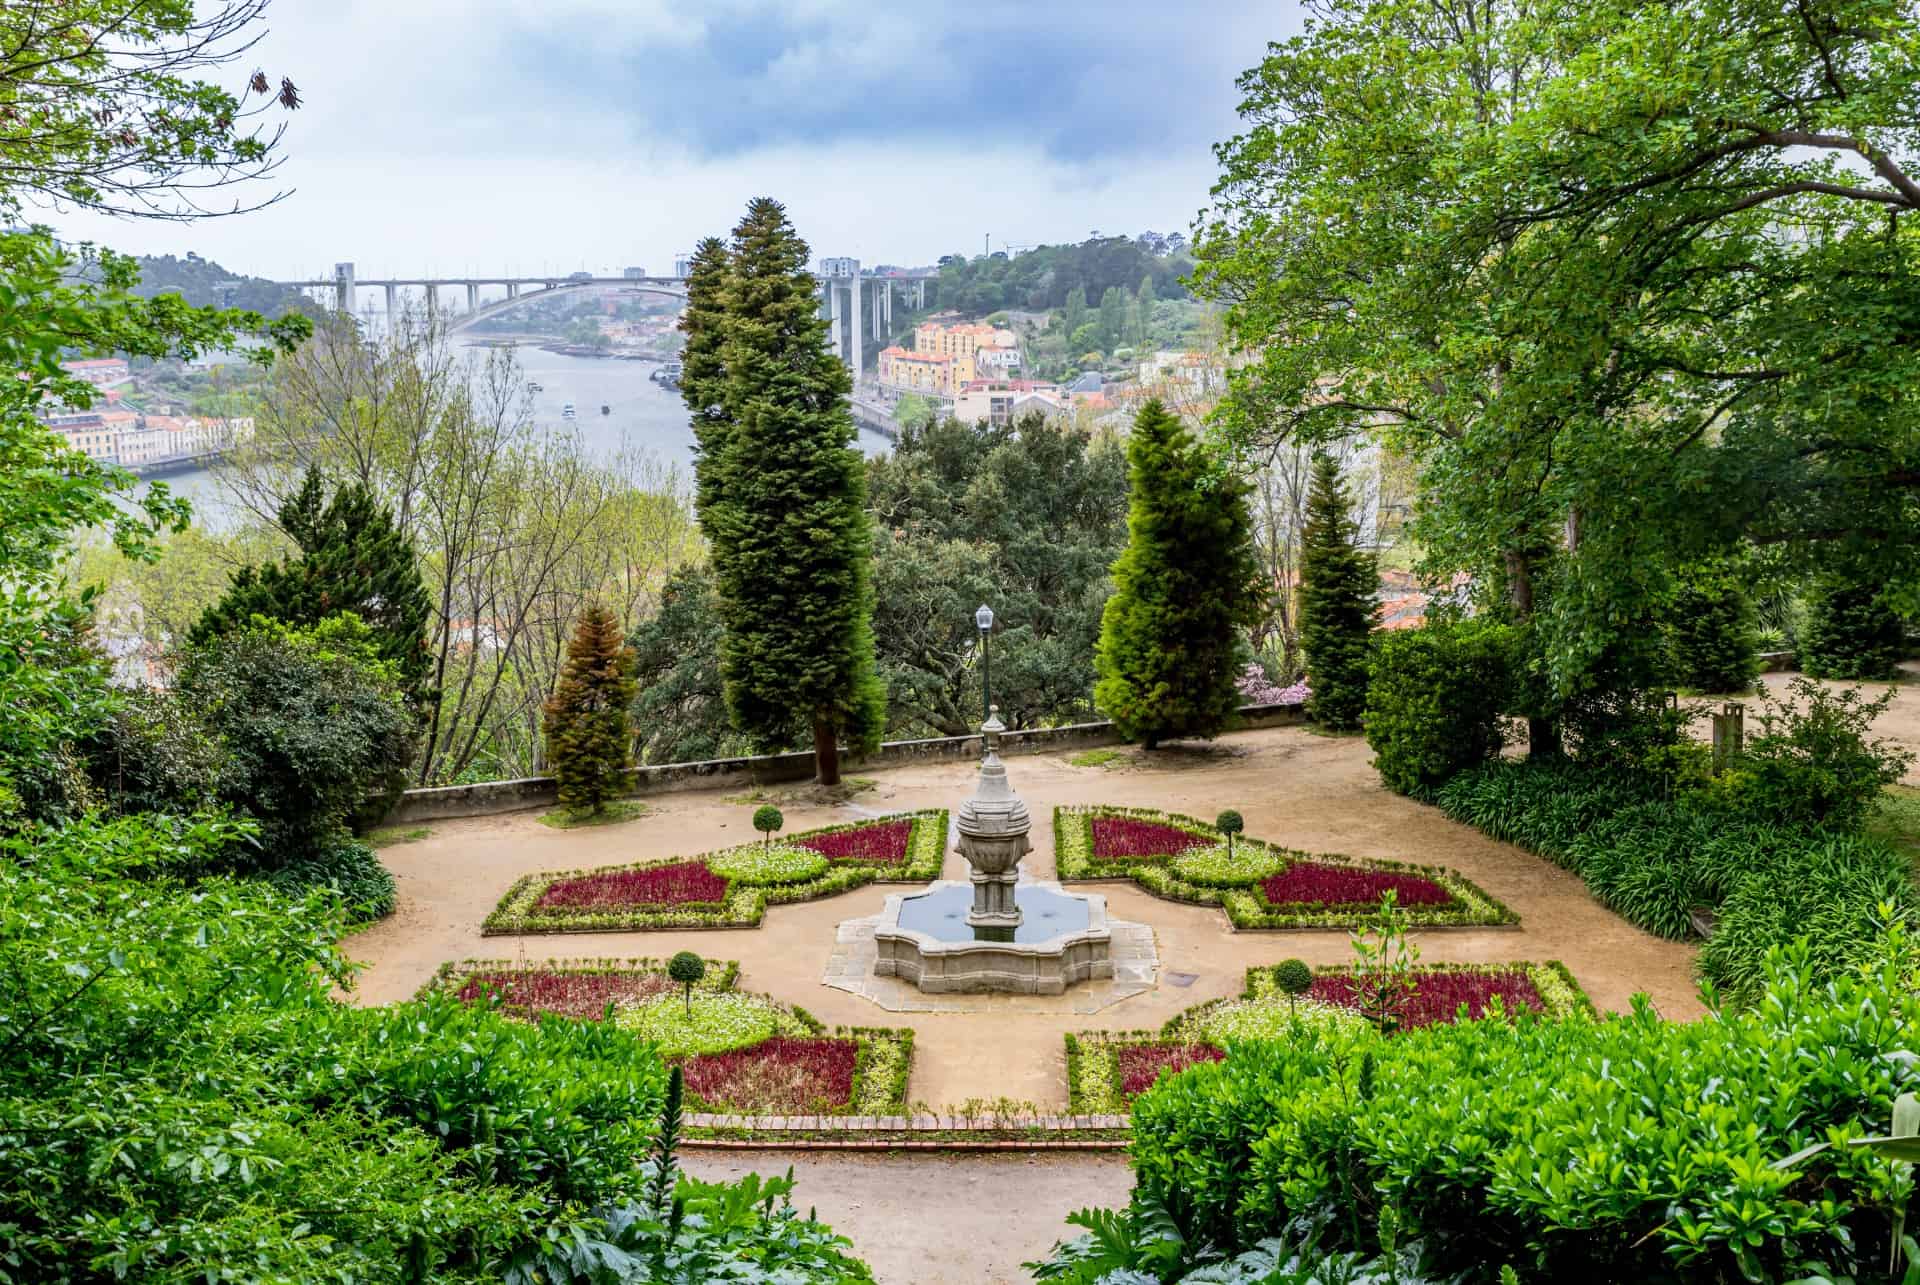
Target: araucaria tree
(782, 496)
(589, 734)
(352, 558)
(1171, 639)
(1337, 584)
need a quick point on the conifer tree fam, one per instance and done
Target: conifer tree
(589, 734)
(1171, 640)
(786, 512)
(352, 557)
(703, 369)
(1337, 584)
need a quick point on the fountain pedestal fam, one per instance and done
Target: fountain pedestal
(1031, 939)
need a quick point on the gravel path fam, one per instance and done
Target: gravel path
(923, 1219)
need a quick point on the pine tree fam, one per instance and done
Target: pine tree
(1337, 585)
(786, 515)
(703, 374)
(352, 557)
(1171, 640)
(589, 732)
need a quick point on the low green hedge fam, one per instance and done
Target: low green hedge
(758, 883)
(1655, 861)
(1625, 1149)
(1435, 700)
(1237, 890)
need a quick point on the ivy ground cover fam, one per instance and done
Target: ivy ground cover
(741, 1053)
(1106, 1070)
(731, 888)
(1258, 884)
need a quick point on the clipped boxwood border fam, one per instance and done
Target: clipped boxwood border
(883, 1055)
(1093, 1063)
(745, 904)
(1246, 906)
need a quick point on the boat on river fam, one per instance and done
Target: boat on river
(567, 411)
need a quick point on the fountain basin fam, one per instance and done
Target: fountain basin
(1061, 938)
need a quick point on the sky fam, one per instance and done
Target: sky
(458, 137)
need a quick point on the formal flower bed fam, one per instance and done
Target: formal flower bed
(743, 1054)
(1106, 1070)
(1258, 884)
(727, 889)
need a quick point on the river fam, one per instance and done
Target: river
(639, 413)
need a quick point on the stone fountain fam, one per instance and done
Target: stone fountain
(994, 933)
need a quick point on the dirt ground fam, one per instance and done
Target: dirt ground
(1294, 787)
(994, 1211)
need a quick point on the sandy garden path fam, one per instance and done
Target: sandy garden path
(1295, 788)
(928, 1219)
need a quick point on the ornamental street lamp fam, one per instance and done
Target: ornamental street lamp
(984, 619)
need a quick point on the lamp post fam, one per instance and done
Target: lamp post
(984, 619)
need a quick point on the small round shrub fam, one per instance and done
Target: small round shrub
(1849, 633)
(1293, 976)
(1434, 704)
(768, 819)
(1712, 637)
(767, 865)
(1229, 823)
(687, 968)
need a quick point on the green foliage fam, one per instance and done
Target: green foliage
(347, 868)
(686, 968)
(1053, 276)
(1026, 516)
(1713, 636)
(1851, 633)
(308, 727)
(768, 819)
(353, 558)
(1293, 977)
(1171, 637)
(1470, 1133)
(589, 736)
(1434, 702)
(680, 714)
(1812, 759)
(206, 284)
(1656, 858)
(783, 507)
(1338, 581)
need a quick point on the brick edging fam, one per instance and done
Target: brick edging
(897, 1132)
(904, 1123)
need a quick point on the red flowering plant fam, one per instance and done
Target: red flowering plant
(786, 1075)
(1258, 884)
(883, 844)
(682, 883)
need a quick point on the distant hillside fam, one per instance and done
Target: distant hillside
(1043, 277)
(204, 282)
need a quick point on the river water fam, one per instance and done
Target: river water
(640, 413)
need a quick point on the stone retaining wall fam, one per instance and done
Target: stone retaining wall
(484, 798)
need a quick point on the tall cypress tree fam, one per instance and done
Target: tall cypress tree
(352, 557)
(703, 374)
(1171, 640)
(1337, 584)
(589, 732)
(786, 511)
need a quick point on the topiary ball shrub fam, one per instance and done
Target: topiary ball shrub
(687, 968)
(1293, 977)
(768, 819)
(1712, 637)
(1849, 633)
(1434, 704)
(1229, 823)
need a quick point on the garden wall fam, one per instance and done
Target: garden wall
(483, 798)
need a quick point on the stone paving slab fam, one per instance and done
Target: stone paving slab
(1136, 966)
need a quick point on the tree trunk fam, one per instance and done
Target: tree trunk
(1543, 737)
(826, 754)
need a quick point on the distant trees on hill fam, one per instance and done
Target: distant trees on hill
(1041, 279)
(204, 283)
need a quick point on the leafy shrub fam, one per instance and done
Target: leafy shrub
(1813, 762)
(1712, 636)
(1434, 702)
(729, 1020)
(349, 869)
(1850, 633)
(1482, 1139)
(589, 734)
